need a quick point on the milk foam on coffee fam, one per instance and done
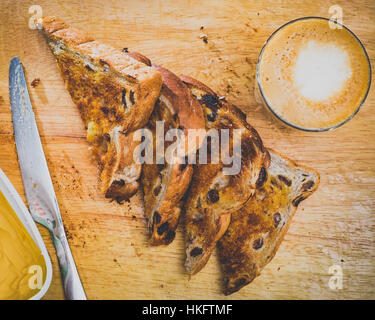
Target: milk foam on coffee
(313, 76)
(321, 70)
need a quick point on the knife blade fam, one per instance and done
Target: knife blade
(36, 178)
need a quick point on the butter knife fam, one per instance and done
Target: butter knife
(37, 180)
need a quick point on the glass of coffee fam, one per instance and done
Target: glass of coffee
(313, 74)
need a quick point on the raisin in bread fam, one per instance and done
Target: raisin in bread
(256, 231)
(115, 94)
(213, 195)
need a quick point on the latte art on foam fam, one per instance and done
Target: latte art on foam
(311, 76)
(321, 70)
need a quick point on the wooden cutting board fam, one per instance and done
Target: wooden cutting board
(335, 226)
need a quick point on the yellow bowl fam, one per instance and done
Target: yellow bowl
(24, 216)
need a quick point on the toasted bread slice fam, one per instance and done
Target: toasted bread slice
(256, 231)
(164, 183)
(213, 195)
(115, 95)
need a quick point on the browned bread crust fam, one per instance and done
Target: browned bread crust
(115, 95)
(257, 230)
(213, 196)
(140, 57)
(165, 184)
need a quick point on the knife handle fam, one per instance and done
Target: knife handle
(72, 283)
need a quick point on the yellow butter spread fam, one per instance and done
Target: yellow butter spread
(22, 265)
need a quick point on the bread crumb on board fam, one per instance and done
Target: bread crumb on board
(204, 37)
(35, 82)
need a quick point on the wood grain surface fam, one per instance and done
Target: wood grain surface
(335, 226)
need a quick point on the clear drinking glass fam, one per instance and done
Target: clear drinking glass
(269, 106)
